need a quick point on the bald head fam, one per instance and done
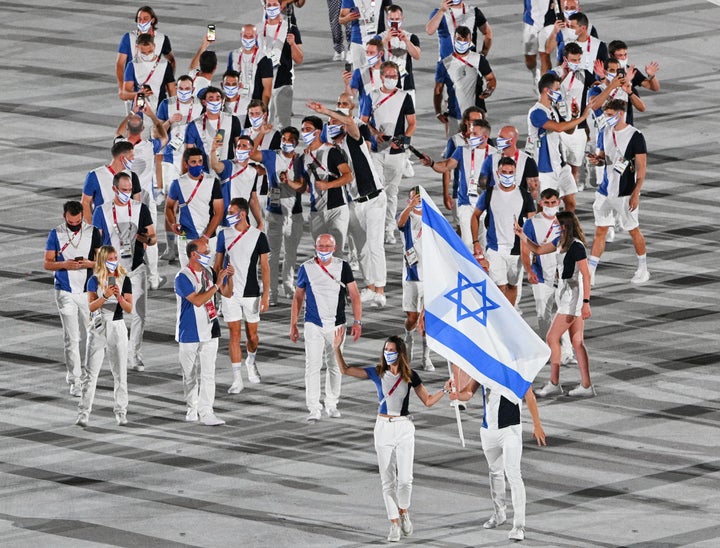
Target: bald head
(135, 125)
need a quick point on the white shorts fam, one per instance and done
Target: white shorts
(573, 146)
(603, 208)
(530, 39)
(412, 300)
(562, 181)
(504, 269)
(237, 309)
(543, 36)
(568, 297)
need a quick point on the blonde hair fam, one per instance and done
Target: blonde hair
(101, 270)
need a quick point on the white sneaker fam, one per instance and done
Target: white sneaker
(121, 418)
(252, 372)
(427, 364)
(406, 525)
(410, 345)
(314, 416)
(380, 300)
(568, 359)
(337, 56)
(517, 533)
(83, 419)
(550, 389)
(367, 295)
(191, 415)
(610, 236)
(494, 521)
(333, 412)
(390, 238)
(394, 535)
(642, 275)
(581, 392)
(237, 386)
(76, 390)
(212, 420)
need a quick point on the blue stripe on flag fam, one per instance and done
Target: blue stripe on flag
(485, 364)
(435, 220)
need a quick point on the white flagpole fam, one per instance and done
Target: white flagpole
(457, 408)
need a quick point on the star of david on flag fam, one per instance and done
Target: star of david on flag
(468, 320)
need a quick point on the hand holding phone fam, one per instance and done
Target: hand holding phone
(348, 67)
(140, 101)
(220, 136)
(111, 281)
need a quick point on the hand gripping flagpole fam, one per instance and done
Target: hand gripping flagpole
(457, 408)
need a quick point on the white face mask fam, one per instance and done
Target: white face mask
(550, 211)
(390, 83)
(501, 143)
(231, 91)
(287, 147)
(568, 13)
(249, 43)
(333, 130)
(343, 110)
(272, 11)
(111, 265)
(476, 140)
(203, 259)
(571, 33)
(461, 47)
(232, 220)
(256, 122)
(144, 28)
(213, 106)
(324, 256)
(308, 137)
(506, 179)
(128, 163)
(574, 66)
(390, 357)
(184, 94)
(372, 59)
(148, 58)
(613, 120)
(554, 95)
(241, 154)
(623, 62)
(123, 197)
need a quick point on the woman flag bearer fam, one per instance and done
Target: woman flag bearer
(394, 429)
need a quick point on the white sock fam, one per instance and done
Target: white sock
(236, 369)
(593, 262)
(642, 262)
(251, 357)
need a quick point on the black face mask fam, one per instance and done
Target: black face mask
(73, 228)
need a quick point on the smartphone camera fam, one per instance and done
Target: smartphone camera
(395, 25)
(140, 101)
(621, 73)
(211, 33)
(111, 280)
(348, 67)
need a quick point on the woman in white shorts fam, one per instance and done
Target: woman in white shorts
(573, 302)
(394, 429)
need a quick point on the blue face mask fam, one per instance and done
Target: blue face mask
(287, 147)
(241, 155)
(308, 137)
(502, 143)
(390, 357)
(144, 28)
(195, 171)
(272, 12)
(324, 256)
(249, 43)
(213, 106)
(203, 259)
(231, 91)
(554, 95)
(506, 179)
(232, 220)
(111, 265)
(461, 46)
(184, 94)
(333, 130)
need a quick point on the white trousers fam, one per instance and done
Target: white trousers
(464, 215)
(395, 448)
(110, 335)
(75, 316)
(280, 107)
(544, 294)
(503, 451)
(198, 366)
(392, 167)
(318, 353)
(283, 231)
(151, 252)
(139, 280)
(332, 221)
(369, 236)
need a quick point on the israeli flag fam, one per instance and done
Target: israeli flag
(468, 320)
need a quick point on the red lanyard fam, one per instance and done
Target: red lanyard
(397, 383)
(572, 81)
(197, 186)
(157, 61)
(237, 239)
(462, 60)
(277, 31)
(115, 220)
(177, 106)
(318, 162)
(453, 16)
(393, 92)
(110, 169)
(205, 119)
(333, 278)
(204, 276)
(472, 163)
(70, 239)
(238, 173)
(252, 61)
(615, 140)
(553, 224)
